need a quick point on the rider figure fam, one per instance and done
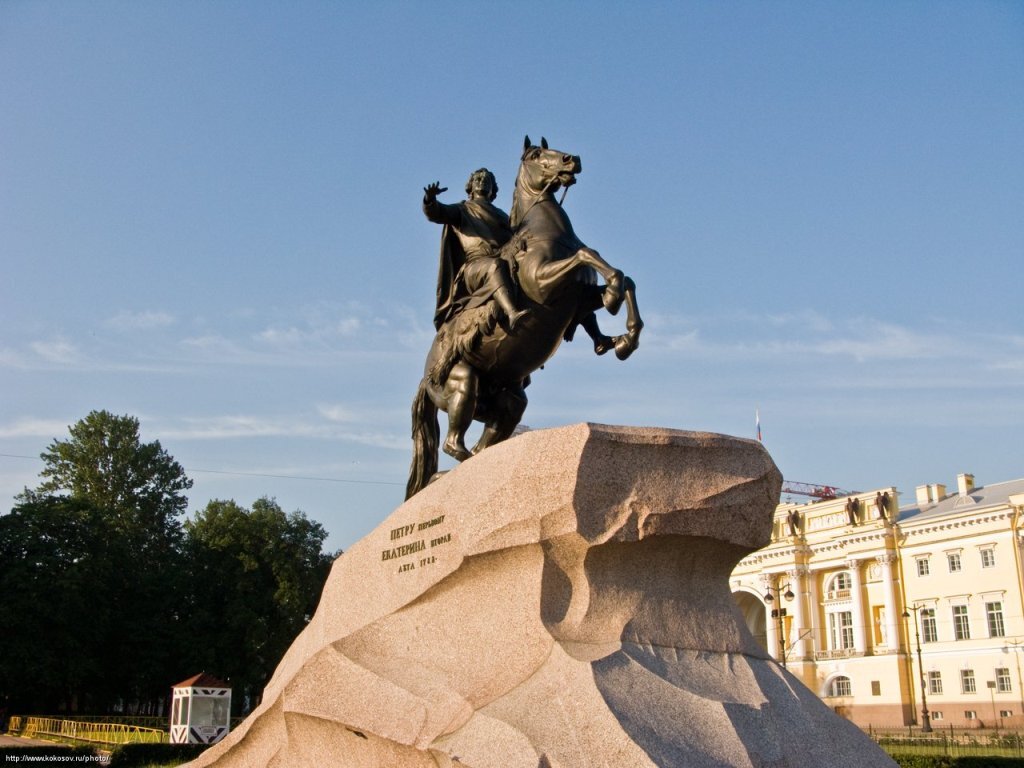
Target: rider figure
(474, 231)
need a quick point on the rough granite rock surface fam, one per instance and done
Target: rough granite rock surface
(559, 601)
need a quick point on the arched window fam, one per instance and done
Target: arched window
(840, 687)
(840, 581)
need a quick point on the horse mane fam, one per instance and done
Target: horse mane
(519, 208)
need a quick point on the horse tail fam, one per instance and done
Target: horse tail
(426, 435)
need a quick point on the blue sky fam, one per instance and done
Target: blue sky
(209, 219)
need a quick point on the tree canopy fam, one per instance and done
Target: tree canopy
(107, 598)
(106, 463)
(257, 576)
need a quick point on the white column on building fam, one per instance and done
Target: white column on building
(860, 625)
(797, 639)
(770, 625)
(892, 640)
(816, 639)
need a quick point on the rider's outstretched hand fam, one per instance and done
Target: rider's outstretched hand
(431, 191)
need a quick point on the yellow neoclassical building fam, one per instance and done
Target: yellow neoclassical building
(898, 615)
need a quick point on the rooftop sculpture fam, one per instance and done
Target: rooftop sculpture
(510, 289)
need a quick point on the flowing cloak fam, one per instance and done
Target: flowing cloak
(483, 229)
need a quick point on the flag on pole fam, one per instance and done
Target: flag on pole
(757, 421)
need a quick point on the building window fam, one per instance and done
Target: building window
(994, 612)
(988, 558)
(953, 558)
(928, 626)
(841, 627)
(841, 687)
(922, 566)
(840, 586)
(967, 684)
(1006, 713)
(961, 625)
(936, 715)
(934, 682)
(970, 714)
(1003, 684)
(876, 687)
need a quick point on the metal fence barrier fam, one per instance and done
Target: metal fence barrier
(77, 731)
(962, 742)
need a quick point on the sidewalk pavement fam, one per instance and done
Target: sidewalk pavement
(18, 741)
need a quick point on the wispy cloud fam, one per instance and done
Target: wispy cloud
(868, 339)
(48, 428)
(322, 335)
(322, 325)
(249, 427)
(134, 321)
(11, 358)
(212, 343)
(809, 336)
(340, 413)
(807, 319)
(59, 351)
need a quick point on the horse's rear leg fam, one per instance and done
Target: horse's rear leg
(461, 390)
(508, 408)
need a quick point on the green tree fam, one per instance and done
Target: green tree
(54, 623)
(258, 575)
(105, 463)
(135, 492)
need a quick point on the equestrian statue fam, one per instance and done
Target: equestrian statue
(510, 288)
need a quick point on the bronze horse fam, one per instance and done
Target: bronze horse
(478, 369)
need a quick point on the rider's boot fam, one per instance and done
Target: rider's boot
(504, 300)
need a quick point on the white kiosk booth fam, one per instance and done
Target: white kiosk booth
(201, 710)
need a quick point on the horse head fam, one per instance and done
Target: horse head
(541, 172)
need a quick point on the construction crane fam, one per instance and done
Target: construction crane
(792, 487)
(814, 490)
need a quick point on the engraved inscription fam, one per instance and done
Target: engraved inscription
(402, 551)
(414, 547)
(403, 530)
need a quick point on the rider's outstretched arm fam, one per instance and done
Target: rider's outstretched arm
(439, 213)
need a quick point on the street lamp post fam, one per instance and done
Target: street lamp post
(926, 722)
(1020, 682)
(992, 692)
(779, 614)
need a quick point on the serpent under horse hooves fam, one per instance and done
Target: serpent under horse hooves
(478, 369)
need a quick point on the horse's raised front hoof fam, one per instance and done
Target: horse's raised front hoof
(455, 450)
(603, 344)
(613, 294)
(625, 345)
